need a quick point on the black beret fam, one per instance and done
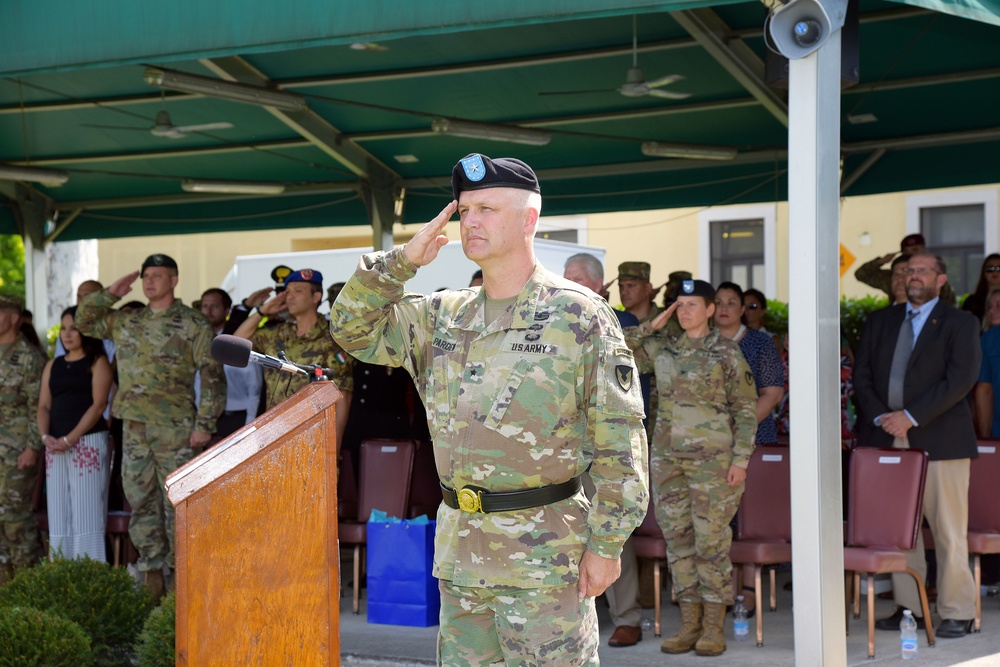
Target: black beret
(695, 288)
(159, 260)
(478, 172)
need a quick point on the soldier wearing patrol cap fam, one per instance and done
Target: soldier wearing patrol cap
(21, 367)
(160, 349)
(635, 290)
(701, 447)
(306, 339)
(527, 382)
(674, 280)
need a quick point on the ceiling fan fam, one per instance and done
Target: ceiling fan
(635, 80)
(164, 127)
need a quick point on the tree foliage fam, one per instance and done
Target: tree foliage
(11, 265)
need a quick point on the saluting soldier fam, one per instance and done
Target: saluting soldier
(527, 382)
(159, 350)
(704, 437)
(304, 340)
(21, 365)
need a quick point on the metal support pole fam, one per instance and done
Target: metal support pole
(381, 206)
(814, 334)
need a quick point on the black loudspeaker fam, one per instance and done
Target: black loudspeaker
(776, 65)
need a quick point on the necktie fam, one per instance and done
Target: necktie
(900, 359)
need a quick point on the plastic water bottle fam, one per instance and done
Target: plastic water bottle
(648, 624)
(741, 624)
(908, 636)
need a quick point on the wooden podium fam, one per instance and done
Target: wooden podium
(256, 541)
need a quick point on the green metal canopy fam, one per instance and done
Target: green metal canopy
(375, 75)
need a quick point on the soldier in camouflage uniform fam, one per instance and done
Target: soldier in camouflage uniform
(872, 274)
(701, 448)
(527, 382)
(306, 340)
(159, 350)
(21, 366)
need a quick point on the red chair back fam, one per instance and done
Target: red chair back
(766, 508)
(649, 527)
(984, 478)
(425, 488)
(386, 469)
(886, 497)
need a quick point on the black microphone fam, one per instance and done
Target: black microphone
(236, 351)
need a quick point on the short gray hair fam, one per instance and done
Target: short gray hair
(592, 265)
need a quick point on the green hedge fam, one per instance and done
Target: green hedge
(155, 647)
(853, 313)
(103, 600)
(33, 638)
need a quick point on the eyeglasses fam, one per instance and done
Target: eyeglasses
(920, 272)
(991, 269)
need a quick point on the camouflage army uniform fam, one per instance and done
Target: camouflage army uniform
(158, 354)
(872, 274)
(528, 401)
(21, 366)
(706, 423)
(316, 348)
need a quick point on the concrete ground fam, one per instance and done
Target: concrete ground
(368, 645)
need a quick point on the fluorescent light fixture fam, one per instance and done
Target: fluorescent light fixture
(50, 177)
(233, 187)
(689, 151)
(493, 132)
(861, 118)
(225, 90)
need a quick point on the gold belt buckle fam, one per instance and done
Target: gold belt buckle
(469, 500)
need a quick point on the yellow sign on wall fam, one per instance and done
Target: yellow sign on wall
(846, 259)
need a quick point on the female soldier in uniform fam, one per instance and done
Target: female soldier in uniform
(701, 447)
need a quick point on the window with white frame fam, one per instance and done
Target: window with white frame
(959, 226)
(738, 243)
(738, 252)
(571, 229)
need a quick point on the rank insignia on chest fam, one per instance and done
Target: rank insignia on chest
(624, 376)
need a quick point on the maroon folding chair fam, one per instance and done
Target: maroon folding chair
(764, 523)
(386, 467)
(648, 542)
(984, 513)
(885, 510)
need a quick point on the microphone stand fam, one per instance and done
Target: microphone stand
(316, 373)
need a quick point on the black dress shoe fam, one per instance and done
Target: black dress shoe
(892, 622)
(951, 628)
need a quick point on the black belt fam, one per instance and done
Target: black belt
(232, 413)
(477, 499)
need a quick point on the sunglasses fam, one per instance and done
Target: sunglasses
(755, 306)
(991, 269)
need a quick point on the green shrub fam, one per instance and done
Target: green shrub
(105, 601)
(854, 312)
(776, 317)
(32, 638)
(159, 636)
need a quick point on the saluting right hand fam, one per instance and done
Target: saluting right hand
(661, 320)
(258, 297)
(123, 285)
(274, 305)
(423, 248)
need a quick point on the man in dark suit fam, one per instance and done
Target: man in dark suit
(911, 386)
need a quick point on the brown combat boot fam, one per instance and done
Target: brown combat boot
(713, 638)
(155, 584)
(690, 630)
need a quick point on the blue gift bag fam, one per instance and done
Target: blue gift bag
(401, 588)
